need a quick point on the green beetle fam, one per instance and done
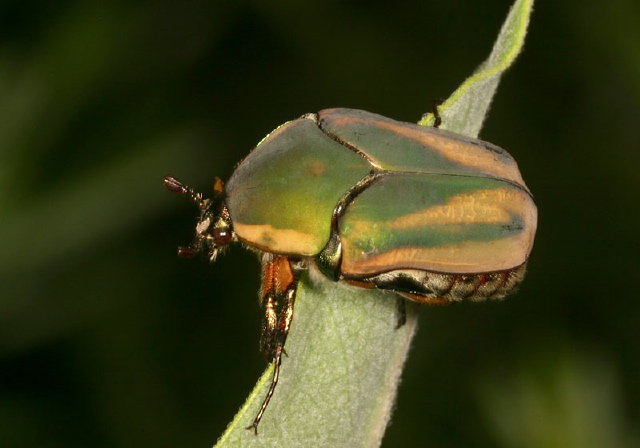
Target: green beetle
(434, 216)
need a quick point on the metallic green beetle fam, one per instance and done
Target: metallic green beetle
(434, 216)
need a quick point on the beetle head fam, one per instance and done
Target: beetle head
(213, 231)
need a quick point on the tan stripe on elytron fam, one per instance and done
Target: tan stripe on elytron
(283, 241)
(463, 258)
(489, 206)
(460, 152)
(481, 206)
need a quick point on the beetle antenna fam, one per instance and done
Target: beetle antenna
(175, 186)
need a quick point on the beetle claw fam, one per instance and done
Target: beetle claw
(253, 425)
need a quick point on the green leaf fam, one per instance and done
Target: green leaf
(345, 354)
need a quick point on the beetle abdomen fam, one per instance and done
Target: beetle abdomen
(436, 287)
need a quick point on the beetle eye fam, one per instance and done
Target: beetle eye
(221, 237)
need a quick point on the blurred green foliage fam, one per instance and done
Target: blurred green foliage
(107, 340)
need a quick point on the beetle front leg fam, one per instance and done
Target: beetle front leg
(279, 288)
(269, 302)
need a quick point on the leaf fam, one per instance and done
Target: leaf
(344, 360)
(345, 355)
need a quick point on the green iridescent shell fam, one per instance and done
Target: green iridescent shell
(411, 197)
(281, 197)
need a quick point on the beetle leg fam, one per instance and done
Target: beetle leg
(426, 300)
(279, 287)
(269, 302)
(402, 312)
(437, 119)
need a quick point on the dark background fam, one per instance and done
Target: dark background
(108, 340)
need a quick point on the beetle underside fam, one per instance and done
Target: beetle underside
(440, 288)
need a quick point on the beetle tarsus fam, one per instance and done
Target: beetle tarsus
(277, 361)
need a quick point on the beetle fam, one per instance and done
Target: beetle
(431, 215)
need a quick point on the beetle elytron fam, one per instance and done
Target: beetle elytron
(434, 216)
